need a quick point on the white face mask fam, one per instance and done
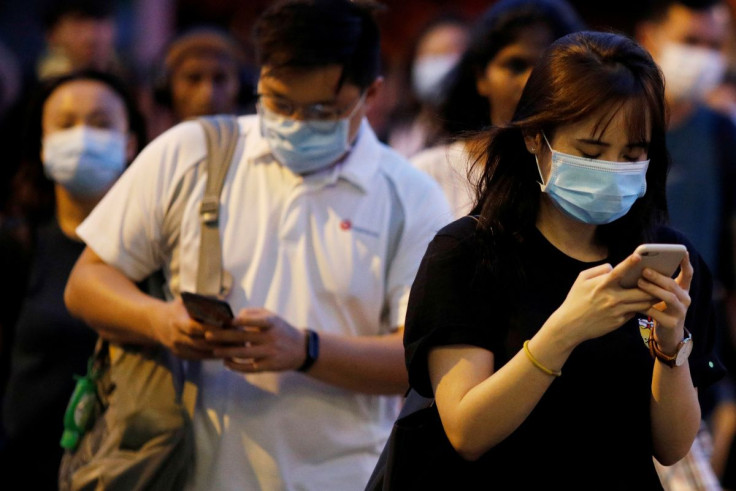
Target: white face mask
(690, 72)
(85, 160)
(428, 72)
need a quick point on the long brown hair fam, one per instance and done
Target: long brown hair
(579, 75)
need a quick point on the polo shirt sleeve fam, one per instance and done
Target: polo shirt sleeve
(124, 229)
(426, 212)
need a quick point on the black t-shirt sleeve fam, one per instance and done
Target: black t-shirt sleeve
(705, 368)
(449, 303)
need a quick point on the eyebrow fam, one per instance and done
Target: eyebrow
(593, 141)
(275, 93)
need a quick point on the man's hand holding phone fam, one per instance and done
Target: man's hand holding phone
(259, 341)
(177, 331)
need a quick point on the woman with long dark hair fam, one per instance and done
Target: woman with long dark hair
(485, 86)
(546, 371)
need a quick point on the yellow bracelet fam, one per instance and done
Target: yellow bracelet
(536, 362)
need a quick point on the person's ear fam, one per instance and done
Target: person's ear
(131, 147)
(373, 90)
(533, 142)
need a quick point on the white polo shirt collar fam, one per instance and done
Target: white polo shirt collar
(358, 166)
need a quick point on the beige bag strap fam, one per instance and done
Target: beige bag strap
(221, 133)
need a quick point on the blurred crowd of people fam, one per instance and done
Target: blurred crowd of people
(71, 128)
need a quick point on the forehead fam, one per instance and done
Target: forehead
(443, 38)
(708, 26)
(83, 96)
(205, 63)
(308, 85)
(530, 41)
(625, 123)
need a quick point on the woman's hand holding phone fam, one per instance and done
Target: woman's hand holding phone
(597, 304)
(674, 295)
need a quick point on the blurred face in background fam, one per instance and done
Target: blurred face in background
(689, 47)
(204, 83)
(87, 42)
(505, 76)
(85, 137)
(437, 52)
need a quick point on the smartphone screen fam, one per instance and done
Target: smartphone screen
(207, 310)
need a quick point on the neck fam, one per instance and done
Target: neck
(71, 211)
(572, 237)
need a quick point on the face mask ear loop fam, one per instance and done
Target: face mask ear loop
(360, 102)
(542, 185)
(541, 179)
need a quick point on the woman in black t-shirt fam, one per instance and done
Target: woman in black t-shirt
(538, 359)
(82, 130)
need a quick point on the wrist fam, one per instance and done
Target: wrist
(311, 350)
(676, 357)
(668, 340)
(558, 335)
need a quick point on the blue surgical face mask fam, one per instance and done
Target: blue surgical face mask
(306, 146)
(84, 160)
(593, 191)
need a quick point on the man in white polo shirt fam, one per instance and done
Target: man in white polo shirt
(322, 230)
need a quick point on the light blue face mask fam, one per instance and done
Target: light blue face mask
(85, 160)
(306, 146)
(593, 191)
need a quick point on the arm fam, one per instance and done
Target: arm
(480, 408)
(675, 411)
(106, 299)
(266, 342)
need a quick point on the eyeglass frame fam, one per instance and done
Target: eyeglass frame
(304, 109)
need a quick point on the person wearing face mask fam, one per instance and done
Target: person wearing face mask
(546, 372)
(687, 38)
(413, 125)
(322, 231)
(83, 129)
(485, 86)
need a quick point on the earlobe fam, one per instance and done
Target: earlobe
(532, 143)
(373, 90)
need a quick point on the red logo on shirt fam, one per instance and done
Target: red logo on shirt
(346, 224)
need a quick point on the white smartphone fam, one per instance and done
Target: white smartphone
(663, 258)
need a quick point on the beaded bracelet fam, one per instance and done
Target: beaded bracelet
(537, 363)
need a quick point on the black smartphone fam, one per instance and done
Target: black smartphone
(208, 310)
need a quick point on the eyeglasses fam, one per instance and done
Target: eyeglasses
(308, 112)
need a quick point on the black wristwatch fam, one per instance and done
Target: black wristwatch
(312, 346)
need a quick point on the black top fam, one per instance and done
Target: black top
(591, 429)
(49, 348)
